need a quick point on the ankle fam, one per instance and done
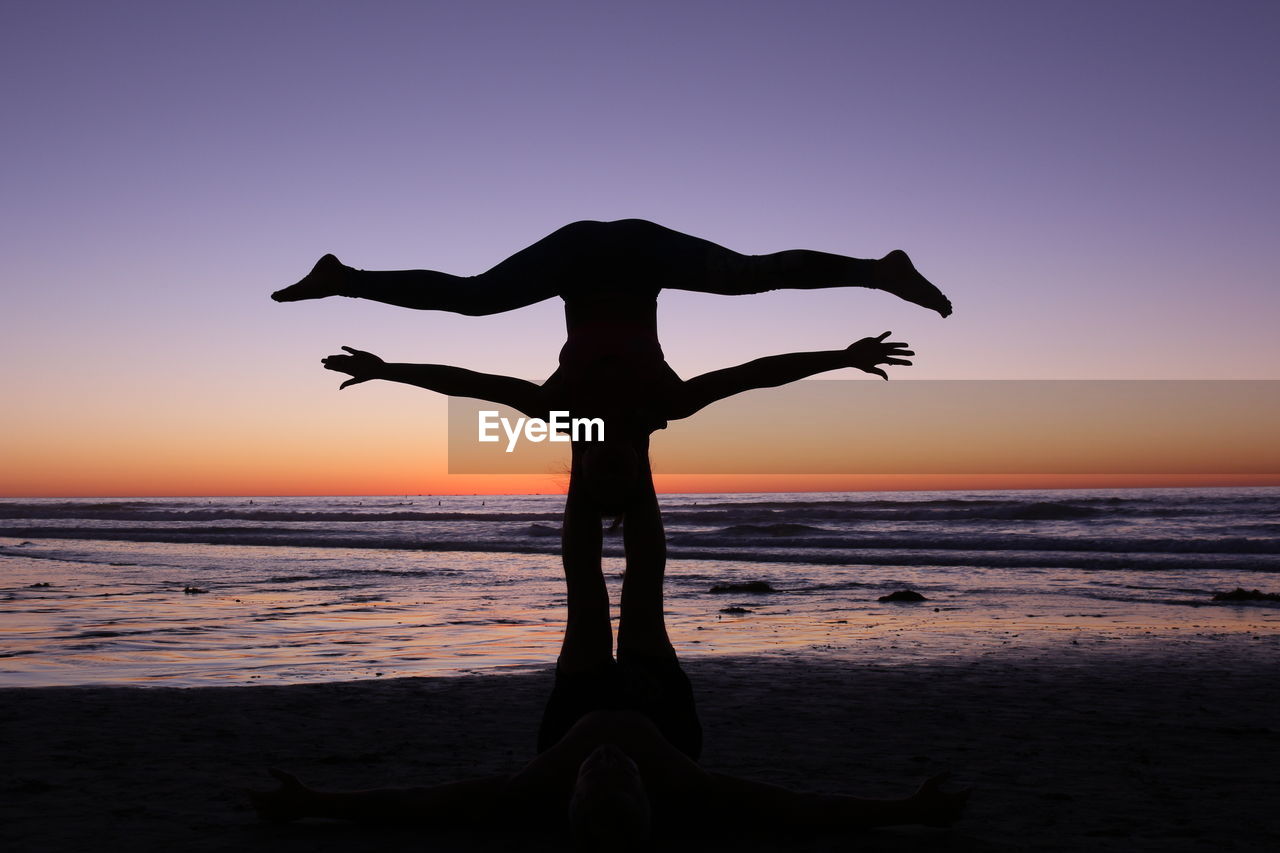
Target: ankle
(346, 281)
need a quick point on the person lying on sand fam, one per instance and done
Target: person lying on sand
(619, 738)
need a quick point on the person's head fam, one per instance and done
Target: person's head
(611, 472)
(609, 809)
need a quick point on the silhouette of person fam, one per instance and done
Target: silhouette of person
(619, 737)
(608, 388)
(609, 275)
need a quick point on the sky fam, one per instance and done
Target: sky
(1094, 184)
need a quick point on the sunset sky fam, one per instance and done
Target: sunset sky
(1093, 183)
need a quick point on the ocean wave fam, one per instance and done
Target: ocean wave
(146, 513)
(713, 512)
(984, 559)
(346, 573)
(1029, 554)
(1022, 542)
(281, 538)
(780, 529)
(799, 537)
(952, 511)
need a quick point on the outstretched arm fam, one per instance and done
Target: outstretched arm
(928, 806)
(438, 805)
(866, 355)
(519, 394)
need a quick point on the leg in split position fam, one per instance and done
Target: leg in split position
(593, 260)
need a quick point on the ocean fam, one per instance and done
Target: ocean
(202, 591)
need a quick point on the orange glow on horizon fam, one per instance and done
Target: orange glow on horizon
(327, 483)
(397, 445)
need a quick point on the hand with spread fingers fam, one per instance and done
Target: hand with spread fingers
(869, 353)
(361, 365)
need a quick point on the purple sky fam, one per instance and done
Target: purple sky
(1093, 183)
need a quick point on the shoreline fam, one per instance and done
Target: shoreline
(1065, 751)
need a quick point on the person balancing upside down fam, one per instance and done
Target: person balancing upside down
(609, 275)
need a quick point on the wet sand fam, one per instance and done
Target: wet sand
(1170, 748)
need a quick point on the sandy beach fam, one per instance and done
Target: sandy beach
(1170, 748)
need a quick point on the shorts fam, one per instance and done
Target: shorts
(657, 688)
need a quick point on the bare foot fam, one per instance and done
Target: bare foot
(897, 275)
(291, 801)
(931, 806)
(326, 278)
